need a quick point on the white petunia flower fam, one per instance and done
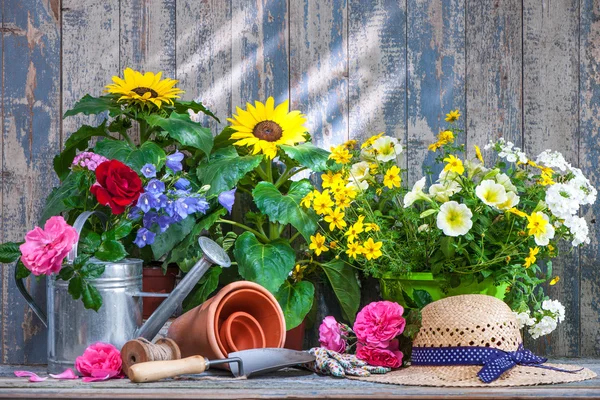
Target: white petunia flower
(524, 319)
(504, 180)
(475, 169)
(442, 192)
(579, 228)
(386, 148)
(360, 171)
(359, 186)
(556, 308)
(416, 193)
(491, 193)
(511, 201)
(454, 219)
(545, 326)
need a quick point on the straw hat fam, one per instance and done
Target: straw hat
(466, 330)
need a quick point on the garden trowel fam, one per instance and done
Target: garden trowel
(241, 363)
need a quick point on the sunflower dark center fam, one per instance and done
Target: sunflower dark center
(140, 91)
(268, 130)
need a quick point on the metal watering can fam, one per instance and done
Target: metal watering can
(72, 328)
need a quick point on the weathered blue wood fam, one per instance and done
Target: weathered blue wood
(550, 110)
(589, 156)
(30, 138)
(319, 67)
(436, 74)
(377, 68)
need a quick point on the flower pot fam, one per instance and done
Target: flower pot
(392, 287)
(221, 324)
(294, 338)
(155, 281)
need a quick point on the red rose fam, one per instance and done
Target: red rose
(117, 186)
(390, 357)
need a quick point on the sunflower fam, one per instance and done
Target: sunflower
(266, 127)
(143, 88)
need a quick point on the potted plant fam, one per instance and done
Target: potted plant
(477, 228)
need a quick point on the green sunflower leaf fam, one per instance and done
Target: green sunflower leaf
(113, 149)
(309, 155)
(147, 153)
(89, 105)
(295, 300)
(183, 106)
(266, 264)
(185, 131)
(225, 168)
(286, 209)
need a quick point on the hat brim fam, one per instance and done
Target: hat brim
(466, 376)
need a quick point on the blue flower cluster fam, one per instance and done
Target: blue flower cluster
(160, 206)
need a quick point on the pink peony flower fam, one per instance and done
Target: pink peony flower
(378, 323)
(99, 361)
(390, 357)
(330, 335)
(45, 249)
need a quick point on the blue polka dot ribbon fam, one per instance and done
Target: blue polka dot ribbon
(495, 362)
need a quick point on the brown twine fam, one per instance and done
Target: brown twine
(158, 352)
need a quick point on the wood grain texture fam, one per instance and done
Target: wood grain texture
(436, 74)
(319, 67)
(589, 154)
(550, 108)
(494, 73)
(204, 67)
(377, 68)
(30, 138)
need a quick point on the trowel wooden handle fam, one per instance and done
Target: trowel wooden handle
(153, 371)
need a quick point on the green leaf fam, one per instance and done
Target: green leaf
(203, 289)
(122, 229)
(295, 301)
(223, 139)
(66, 273)
(22, 271)
(147, 153)
(427, 213)
(56, 201)
(89, 243)
(225, 168)
(89, 105)
(164, 242)
(446, 245)
(266, 264)
(9, 252)
(91, 297)
(111, 250)
(185, 131)
(410, 303)
(183, 106)
(81, 260)
(77, 141)
(76, 287)
(345, 286)
(92, 270)
(113, 149)
(421, 298)
(286, 209)
(309, 155)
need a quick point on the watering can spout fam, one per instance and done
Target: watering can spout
(212, 254)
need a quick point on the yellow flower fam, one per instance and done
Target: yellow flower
(546, 179)
(370, 140)
(452, 116)
(372, 249)
(550, 248)
(537, 224)
(530, 259)
(266, 127)
(515, 211)
(298, 272)
(330, 179)
(392, 177)
(317, 243)
(355, 229)
(372, 227)
(554, 280)
(350, 144)
(378, 191)
(335, 219)
(350, 192)
(354, 249)
(444, 137)
(341, 200)
(478, 154)
(373, 168)
(340, 155)
(144, 88)
(322, 202)
(333, 244)
(454, 165)
(306, 200)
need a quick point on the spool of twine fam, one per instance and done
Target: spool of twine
(142, 350)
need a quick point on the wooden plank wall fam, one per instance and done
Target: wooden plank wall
(526, 70)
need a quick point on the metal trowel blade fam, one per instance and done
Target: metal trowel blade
(262, 361)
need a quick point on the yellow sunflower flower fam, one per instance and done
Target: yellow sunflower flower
(354, 249)
(392, 177)
(322, 203)
(340, 155)
(454, 165)
(317, 243)
(144, 88)
(335, 219)
(453, 116)
(372, 249)
(266, 127)
(530, 259)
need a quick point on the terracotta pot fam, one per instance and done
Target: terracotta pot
(209, 331)
(155, 281)
(294, 338)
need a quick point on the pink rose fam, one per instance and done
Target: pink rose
(378, 323)
(390, 357)
(45, 249)
(99, 361)
(330, 335)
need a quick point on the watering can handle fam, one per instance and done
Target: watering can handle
(78, 225)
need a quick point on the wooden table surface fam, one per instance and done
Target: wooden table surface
(290, 383)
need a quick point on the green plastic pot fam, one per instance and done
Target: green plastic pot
(392, 286)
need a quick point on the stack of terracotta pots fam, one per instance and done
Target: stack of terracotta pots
(243, 315)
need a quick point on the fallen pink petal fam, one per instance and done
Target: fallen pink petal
(67, 374)
(33, 377)
(96, 379)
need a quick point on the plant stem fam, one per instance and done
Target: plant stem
(273, 230)
(127, 139)
(261, 173)
(287, 175)
(269, 169)
(245, 227)
(294, 237)
(144, 134)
